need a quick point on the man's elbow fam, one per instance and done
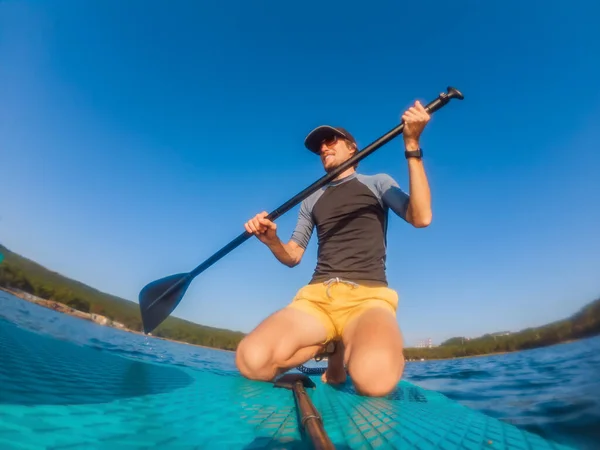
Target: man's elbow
(295, 257)
(422, 220)
(292, 263)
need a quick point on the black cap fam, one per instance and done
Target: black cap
(316, 136)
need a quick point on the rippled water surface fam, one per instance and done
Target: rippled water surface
(552, 391)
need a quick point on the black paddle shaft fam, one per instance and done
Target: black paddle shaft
(432, 107)
(159, 298)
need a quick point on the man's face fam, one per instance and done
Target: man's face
(334, 151)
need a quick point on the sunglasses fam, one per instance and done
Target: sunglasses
(330, 141)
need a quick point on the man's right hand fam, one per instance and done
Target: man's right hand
(262, 228)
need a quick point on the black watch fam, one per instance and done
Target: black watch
(414, 154)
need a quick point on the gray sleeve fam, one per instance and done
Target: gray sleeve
(304, 226)
(392, 196)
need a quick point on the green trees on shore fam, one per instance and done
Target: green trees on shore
(584, 323)
(20, 273)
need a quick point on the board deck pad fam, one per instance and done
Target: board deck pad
(55, 394)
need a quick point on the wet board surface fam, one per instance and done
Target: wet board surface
(56, 394)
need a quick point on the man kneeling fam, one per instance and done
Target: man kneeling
(347, 304)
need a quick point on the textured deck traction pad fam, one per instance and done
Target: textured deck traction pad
(58, 395)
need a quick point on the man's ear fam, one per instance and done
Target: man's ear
(352, 147)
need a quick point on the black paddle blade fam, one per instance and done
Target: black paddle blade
(159, 298)
(287, 381)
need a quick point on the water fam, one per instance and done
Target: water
(554, 392)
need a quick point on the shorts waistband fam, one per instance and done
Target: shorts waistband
(365, 283)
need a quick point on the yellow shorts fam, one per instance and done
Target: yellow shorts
(335, 302)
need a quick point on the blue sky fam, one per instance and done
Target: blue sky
(137, 137)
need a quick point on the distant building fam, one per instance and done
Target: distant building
(500, 333)
(425, 343)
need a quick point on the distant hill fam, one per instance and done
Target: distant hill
(21, 273)
(582, 324)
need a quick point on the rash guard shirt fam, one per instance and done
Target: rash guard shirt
(350, 216)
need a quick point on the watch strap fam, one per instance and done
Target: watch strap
(413, 153)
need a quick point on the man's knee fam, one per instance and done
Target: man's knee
(254, 359)
(268, 349)
(376, 372)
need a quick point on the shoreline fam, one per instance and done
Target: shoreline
(91, 317)
(468, 356)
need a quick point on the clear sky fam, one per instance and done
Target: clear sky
(137, 137)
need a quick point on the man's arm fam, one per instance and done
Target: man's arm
(301, 235)
(415, 206)
(408, 207)
(418, 211)
(291, 253)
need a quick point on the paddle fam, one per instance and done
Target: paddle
(310, 420)
(159, 298)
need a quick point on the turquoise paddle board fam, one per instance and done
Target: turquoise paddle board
(59, 394)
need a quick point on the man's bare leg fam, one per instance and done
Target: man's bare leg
(373, 352)
(281, 342)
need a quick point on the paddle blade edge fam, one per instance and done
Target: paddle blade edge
(159, 299)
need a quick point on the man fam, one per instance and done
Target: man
(347, 307)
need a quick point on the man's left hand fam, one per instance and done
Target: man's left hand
(415, 118)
